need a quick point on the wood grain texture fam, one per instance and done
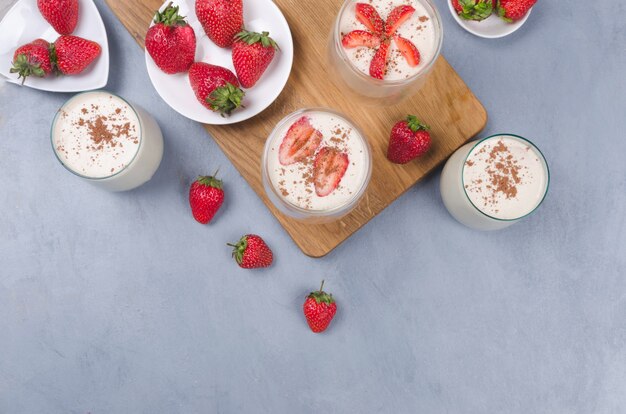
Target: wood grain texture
(445, 103)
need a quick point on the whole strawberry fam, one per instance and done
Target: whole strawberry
(216, 88)
(61, 14)
(252, 54)
(220, 19)
(473, 9)
(32, 59)
(171, 42)
(319, 309)
(72, 54)
(409, 139)
(205, 198)
(511, 10)
(251, 252)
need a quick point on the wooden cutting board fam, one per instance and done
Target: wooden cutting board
(445, 103)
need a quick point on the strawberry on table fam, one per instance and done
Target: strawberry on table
(32, 59)
(205, 198)
(216, 88)
(252, 54)
(171, 42)
(409, 139)
(398, 16)
(220, 19)
(319, 309)
(408, 50)
(369, 17)
(329, 167)
(300, 142)
(72, 54)
(61, 14)
(251, 252)
(512, 10)
(473, 9)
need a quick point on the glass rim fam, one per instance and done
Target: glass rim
(309, 212)
(544, 162)
(389, 82)
(56, 117)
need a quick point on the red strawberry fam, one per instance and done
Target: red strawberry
(252, 54)
(409, 139)
(359, 38)
(72, 54)
(251, 252)
(378, 66)
(220, 19)
(367, 14)
(319, 309)
(61, 14)
(408, 50)
(171, 42)
(329, 167)
(32, 59)
(300, 142)
(205, 198)
(473, 9)
(216, 88)
(398, 16)
(511, 10)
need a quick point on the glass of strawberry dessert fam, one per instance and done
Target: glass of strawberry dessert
(316, 165)
(383, 50)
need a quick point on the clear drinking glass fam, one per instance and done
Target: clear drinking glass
(454, 186)
(76, 150)
(354, 182)
(374, 91)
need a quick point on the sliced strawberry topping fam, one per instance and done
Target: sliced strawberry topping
(368, 15)
(359, 38)
(300, 142)
(408, 50)
(379, 61)
(398, 16)
(329, 167)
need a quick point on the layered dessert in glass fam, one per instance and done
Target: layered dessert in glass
(106, 141)
(316, 165)
(383, 51)
(493, 183)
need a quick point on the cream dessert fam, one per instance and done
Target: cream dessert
(382, 51)
(418, 29)
(101, 137)
(316, 163)
(494, 183)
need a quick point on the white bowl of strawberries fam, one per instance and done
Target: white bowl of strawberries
(54, 45)
(491, 19)
(219, 61)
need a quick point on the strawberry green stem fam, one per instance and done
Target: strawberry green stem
(415, 124)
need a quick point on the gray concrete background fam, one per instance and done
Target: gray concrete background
(121, 303)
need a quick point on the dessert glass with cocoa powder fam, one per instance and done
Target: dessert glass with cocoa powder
(350, 66)
(495, 182)
(106, 141)
(292, 188)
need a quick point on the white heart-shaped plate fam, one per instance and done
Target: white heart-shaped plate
(492, 27)
(258, 15)
(23, 24)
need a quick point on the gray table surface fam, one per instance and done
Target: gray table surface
(121, 303)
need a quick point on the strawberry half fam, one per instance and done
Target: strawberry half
(367, 14)
(300, 142)
(379, 61)
(359, 38)
(408, 50)
(328, 169)
(398, 16)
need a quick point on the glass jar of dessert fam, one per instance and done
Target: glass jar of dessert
(383, 51)
(106, 141)
(316, 165)
(495, 182)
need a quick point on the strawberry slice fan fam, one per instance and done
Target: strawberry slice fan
(379, 35)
